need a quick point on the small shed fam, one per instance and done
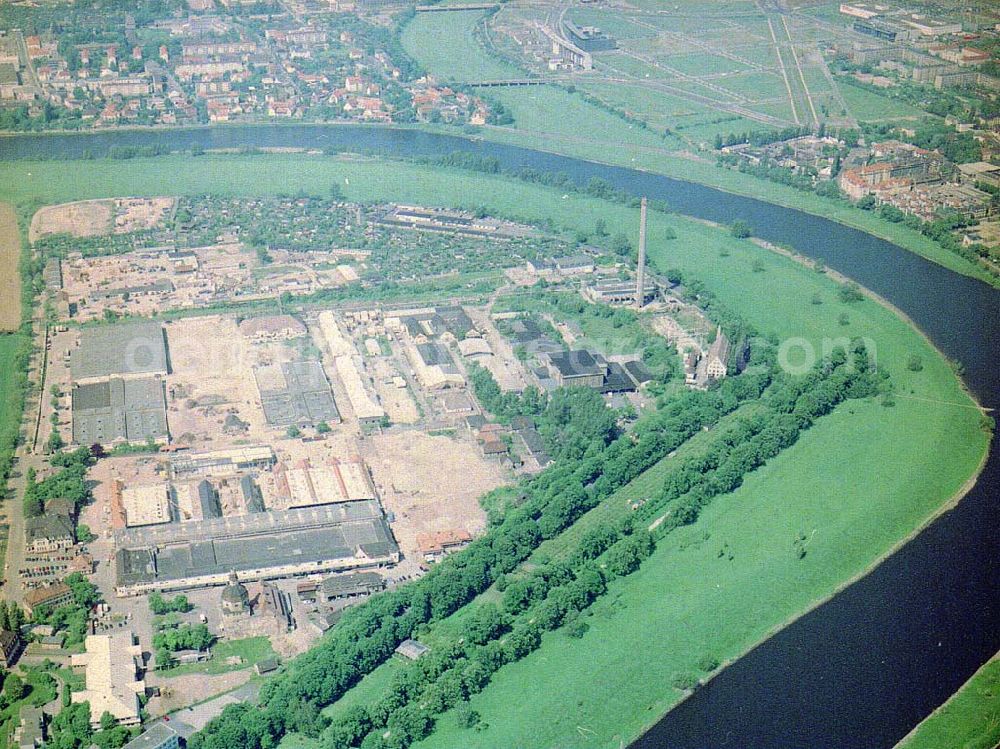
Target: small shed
(412, 649)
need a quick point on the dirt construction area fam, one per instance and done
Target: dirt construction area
(87, 218)
(212, 376)
(91, 218)
(431, 483)
(10, 279)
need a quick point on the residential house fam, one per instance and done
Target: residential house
(11, 646)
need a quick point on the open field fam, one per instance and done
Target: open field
(85, 218)
(969, 720)
(10, 278)
(249, 650)
(870, 107)
(444, 44)
(758, 522)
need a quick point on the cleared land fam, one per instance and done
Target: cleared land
(10, 278)
(407, 465)
(86, 218)
(969, 720)
(868, 512)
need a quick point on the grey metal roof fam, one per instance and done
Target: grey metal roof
(116, 409)
(48, 527)
(123, 348)
(210, 507)
(219, 545)
(305, 399)
(352, 583)
(575, 363)
(437, 354)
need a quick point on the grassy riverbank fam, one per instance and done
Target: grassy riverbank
(686, 602)
(969, 720)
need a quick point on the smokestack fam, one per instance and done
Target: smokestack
(640, 276)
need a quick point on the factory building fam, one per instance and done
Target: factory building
(116, 410)
(126, 350)
(258, 546)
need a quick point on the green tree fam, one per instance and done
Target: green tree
(740, 229)
(620, 245)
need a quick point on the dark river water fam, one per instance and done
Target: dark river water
(861, 670)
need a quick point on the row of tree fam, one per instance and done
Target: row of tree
(584, 475)
(551, 596)
(554, 593)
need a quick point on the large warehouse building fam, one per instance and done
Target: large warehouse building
(296, 393)
(119, 410)
(257, 546)
(126, 350)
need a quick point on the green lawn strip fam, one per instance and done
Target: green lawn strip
(368, 690)
(970, 719)
(646, 485)
(250, 650)
(555, 113)
(10, 378)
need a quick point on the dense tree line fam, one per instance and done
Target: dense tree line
(160, 605)
(792, 403)
(72, 617)
(761, 137)
(782, 175)
(70, 729)
(367, 635)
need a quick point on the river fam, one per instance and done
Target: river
(864, 668)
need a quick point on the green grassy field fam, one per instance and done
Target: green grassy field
(682, 602)
(870, 107)
(10, 414)
(610, 22)
(969, 720)
(444, 44)
(250, 650)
